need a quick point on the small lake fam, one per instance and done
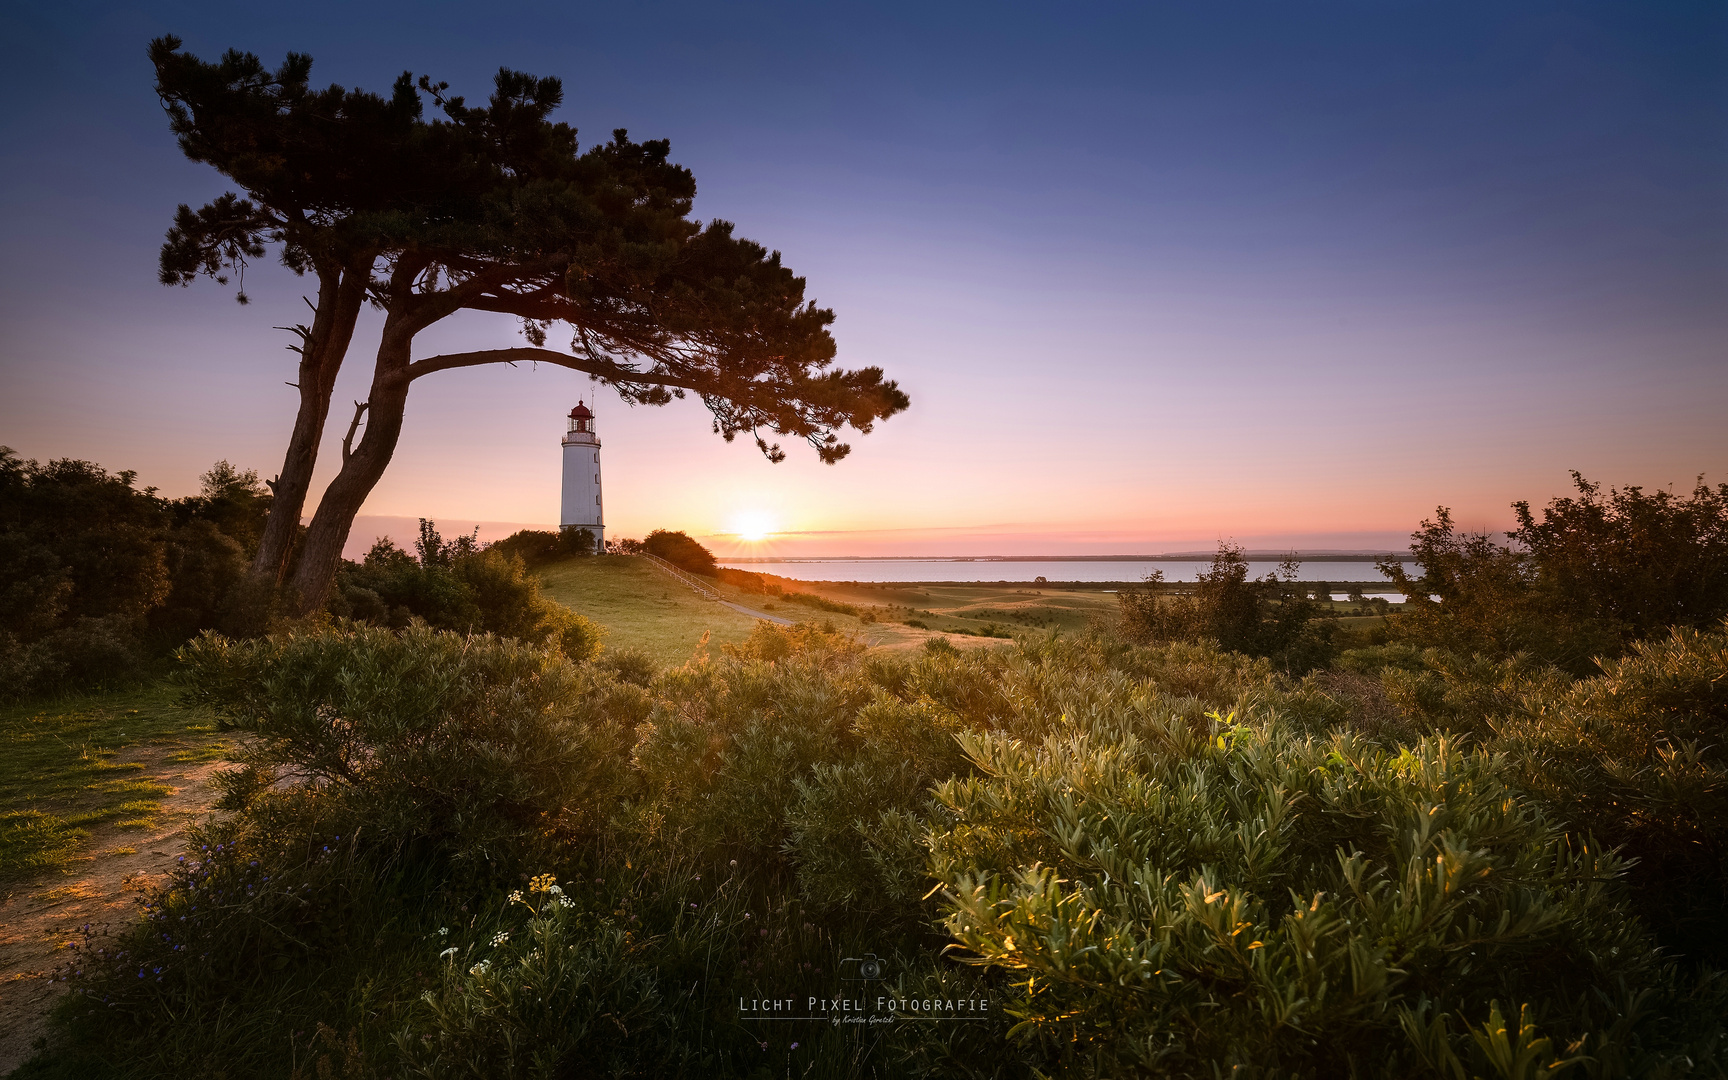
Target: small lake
(1020, 570)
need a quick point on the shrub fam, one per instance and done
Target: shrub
(630, 665)
(538, 547)
(1151, 890)
(97, 576)
(722, 753)
(747, 581)
(457, 586)
(681, 551)
(542, 990)
(232, 923)
(82, 562)
(820, 603)
(1182, 898)
(1271, 617)
(1636, 757)
(854, 832)
(1632, 757)
(1593, 575)
(468, 747)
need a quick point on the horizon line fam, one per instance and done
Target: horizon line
(1256, 554)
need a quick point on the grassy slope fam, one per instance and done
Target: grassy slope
(643, 608)
(956, 608)
(59, 776)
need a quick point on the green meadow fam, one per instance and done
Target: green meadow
(644, 608)
(61, 773)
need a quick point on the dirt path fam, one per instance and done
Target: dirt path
(754, 614)
(39, 918)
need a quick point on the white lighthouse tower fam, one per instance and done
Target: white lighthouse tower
(581, 507)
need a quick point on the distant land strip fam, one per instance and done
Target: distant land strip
(1192, 556)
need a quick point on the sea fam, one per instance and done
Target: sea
(1023, 570)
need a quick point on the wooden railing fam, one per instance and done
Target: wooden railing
(688, 579)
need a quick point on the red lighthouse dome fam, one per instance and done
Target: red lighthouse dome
(580, 412)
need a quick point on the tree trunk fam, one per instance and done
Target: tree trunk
(341, 292)
(361, 468)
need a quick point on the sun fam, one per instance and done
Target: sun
(752, 526)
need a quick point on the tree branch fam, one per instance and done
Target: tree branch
(353, 426)
(614, 372)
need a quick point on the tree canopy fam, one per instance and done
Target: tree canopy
(1591, 575)
(681, 551)
(491, 207)
(1270, 616)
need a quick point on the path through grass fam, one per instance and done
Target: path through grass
(643, 608)
(60, 777)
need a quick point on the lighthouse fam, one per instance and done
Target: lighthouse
(581, 506)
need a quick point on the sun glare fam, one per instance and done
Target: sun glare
(752, 526)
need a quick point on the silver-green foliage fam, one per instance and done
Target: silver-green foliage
(1151, 889)
(475, 745)
(1188, 899)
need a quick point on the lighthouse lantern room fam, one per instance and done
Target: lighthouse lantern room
(582, 507)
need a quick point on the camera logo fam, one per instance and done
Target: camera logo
(864, 968)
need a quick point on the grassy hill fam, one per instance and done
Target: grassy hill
(962, 609)
(642, 607)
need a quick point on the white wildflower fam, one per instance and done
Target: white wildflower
(481, 968)
(500, 938)
(516, 896)
(447, 953)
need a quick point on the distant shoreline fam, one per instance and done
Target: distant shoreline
(1196, 556)
(1369, 588)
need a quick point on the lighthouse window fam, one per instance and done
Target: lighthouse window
(596, 500)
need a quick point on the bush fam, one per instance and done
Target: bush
(630, 665)
(747, 581)
(238, 937)
(821, 603)
(1636, 757)
(1633, 757)
(1271, 617)
(97, 576)
(557, 985)
(1147, 888)
(1592, 576)
(681, 551)
(1177, 898)
(457, 586)
(468, 747)
(538, 547)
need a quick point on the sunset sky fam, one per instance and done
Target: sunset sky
(1153, 274)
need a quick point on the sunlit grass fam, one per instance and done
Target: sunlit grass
(971, 607)
(644, 608)
(59, 777)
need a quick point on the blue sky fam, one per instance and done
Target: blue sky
(1153, 274)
